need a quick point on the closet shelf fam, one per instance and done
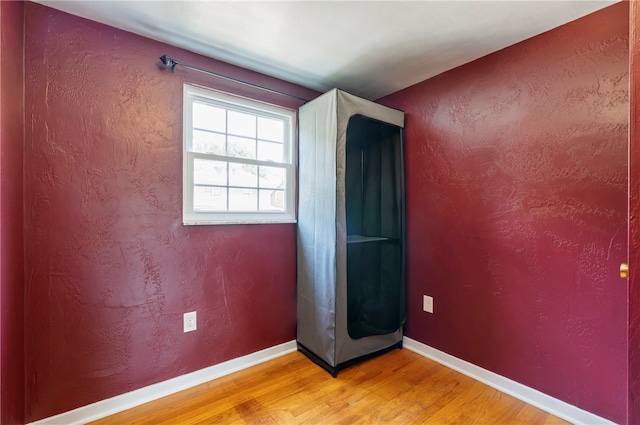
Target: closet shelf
(362, 239)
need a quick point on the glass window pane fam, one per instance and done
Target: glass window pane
(209, 198)
(241, 147)
(271, 200)
(268, 151)
(241, 124)
(271, 129)
(273, 177)
(206, 142)
(209, 172)
(208, 117)
(243, 175)
(243, 199)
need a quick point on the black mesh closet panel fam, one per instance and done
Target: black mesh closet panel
(373, 182)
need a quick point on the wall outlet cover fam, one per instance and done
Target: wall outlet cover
(190, 321)
(427, 303)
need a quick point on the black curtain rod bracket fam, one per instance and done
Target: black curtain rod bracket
(167, 61)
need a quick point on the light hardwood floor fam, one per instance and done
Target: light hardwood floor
(399, 387)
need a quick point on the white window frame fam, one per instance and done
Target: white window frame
(193, 217)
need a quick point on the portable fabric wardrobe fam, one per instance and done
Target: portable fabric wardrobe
(351, 278)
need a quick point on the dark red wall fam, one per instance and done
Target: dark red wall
(11, 247)
(516, 171)
(110, 269)
(634, 214)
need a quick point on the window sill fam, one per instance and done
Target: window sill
(225, 222)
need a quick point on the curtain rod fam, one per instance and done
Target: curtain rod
(167, 61)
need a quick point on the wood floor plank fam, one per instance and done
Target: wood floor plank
(399, 387)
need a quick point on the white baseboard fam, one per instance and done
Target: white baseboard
(540, 400)
(135, 398)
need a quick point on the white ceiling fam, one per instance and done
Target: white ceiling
(369, 48)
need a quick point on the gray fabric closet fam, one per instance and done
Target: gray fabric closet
(351, 256)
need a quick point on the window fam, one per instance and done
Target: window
(238, 160)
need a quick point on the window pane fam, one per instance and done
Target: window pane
(273, 177)
(209, 172)
(209, 198)
(206, 142)
(241, 147)
(242, 124)
(209, 117)
(271, 129)
(271, 200)
(243, 199)
(243, 175)
(268, 151)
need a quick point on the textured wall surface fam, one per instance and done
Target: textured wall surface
(11, 247)
(517, 211)
(109, 267)
(634, 214)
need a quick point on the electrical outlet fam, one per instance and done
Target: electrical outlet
(427, 303)
(190, 323)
